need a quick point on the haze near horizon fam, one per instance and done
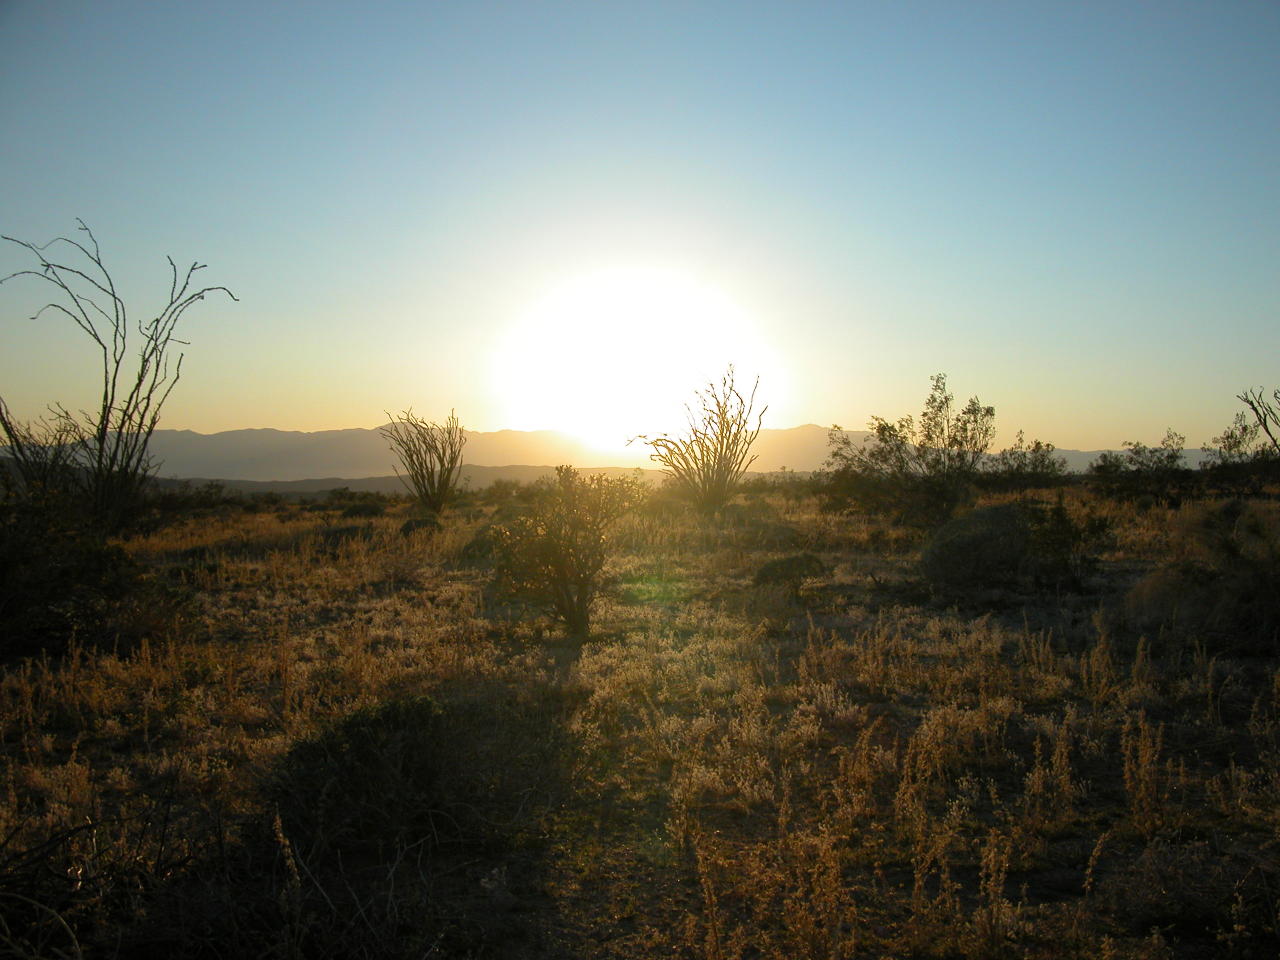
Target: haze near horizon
(571, 216)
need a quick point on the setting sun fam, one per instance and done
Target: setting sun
(618, 352)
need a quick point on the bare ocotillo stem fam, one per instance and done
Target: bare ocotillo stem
(431, 454)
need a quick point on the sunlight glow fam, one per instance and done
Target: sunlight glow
(619, 352)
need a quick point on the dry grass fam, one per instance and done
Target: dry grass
(850, 767)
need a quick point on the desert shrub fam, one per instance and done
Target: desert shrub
(439, 770)
(985, 546)
(770, 535)
(1245, 456)
(917, 501)
(1239, 478)
(917, 471)
(381, 835)
(790, 571)
(1024, 466)
(60, 581)
(1251, 437)
(354, 503)
(1224, 583)
(754, 523)
(707, 462)
(1142, 471)
(414, 524)
(554, 556)
(1237, 444)
(431, 454)
(1060, 544)
(504, 491)
(100, 457)
(332, 539)
(664, 504)
(264, 500)
(172, 502)
(480, 549)
(364, 508)
(749, 512)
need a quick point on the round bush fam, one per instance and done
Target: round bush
(985, 546)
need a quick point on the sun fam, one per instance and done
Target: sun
(617, 352)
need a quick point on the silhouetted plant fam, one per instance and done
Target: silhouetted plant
(1024, 466)
(707, 462)
(431, 454)
(1266, 415)
(554, 556)
(1247, 453)
(355, 503)
(1238, 444)
(1142, 470)
(919, 470)
(42, 458)
(101, 456)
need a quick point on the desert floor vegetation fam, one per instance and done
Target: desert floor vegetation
(789, 733)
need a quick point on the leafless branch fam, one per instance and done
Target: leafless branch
(708, 462)
(431, 454)
(1266, 413)
(107, 447)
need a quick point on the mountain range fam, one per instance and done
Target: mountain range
(265, 458)
(264, 455)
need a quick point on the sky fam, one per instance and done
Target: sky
(572, 215)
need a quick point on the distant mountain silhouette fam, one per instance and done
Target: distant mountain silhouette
(333, 457)
(290, 455)
(294, 455)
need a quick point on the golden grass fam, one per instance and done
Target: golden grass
(726, 770)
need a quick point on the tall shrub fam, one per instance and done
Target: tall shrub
(100, 456)
(920, 470)
(554, 556)
(431, 454)
(707, 461)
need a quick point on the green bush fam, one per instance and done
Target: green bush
(554, 556)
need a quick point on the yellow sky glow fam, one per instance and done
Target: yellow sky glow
(617, 352)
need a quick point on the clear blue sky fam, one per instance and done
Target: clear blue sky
(1071, 208)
